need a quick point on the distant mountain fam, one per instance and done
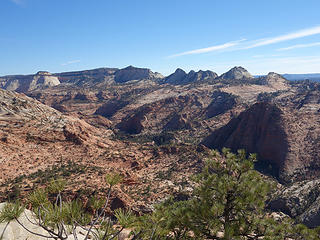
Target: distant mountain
(236, 73)
(297, 77)
(87, 78)
(181, 77)
(275, 80)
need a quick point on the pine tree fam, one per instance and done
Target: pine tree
(228, 203)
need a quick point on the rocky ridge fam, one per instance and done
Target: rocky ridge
(181, 77)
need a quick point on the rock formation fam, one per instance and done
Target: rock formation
(301, 200)
(109, 108)
(181, 77)
(257, 130)
(177, 122)
(221, 102)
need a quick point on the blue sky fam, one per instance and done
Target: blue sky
(65, 35)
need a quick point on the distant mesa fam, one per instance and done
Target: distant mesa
(181, 77)
(237, 73)
(87, 77)
(133, 73)
(25, 83)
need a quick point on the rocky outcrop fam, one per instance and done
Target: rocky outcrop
(132, 73)
(257, 130)
(177, 122)
(85, 96)
(221, 102)
(236, 73)
(300, 200)
(134, 124)
(109, 108)
(181, 77)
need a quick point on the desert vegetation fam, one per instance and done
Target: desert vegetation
(227, 202)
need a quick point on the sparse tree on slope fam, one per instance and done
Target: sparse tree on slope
(61, 218)
(228, 203)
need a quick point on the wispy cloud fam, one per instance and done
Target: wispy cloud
(208, 49)
(243, 44)
(290, 36)
(299, 46)
(70, 62)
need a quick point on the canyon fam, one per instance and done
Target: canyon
(156, 131)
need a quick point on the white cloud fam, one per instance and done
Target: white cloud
(70, 62)
(257, 43)
(209, 49)
(299, 46)
(290, 36)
